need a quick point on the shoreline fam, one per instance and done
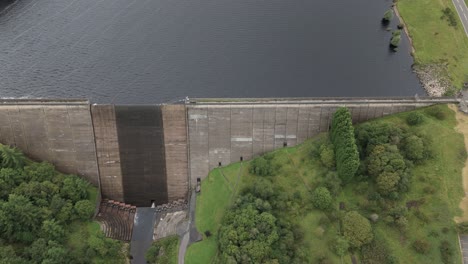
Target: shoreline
(429, 76)
(405, 28)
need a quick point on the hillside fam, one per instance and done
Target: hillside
(407, 194)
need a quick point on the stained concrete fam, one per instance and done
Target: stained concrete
(223, 131)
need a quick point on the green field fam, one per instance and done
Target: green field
(436, 185)
(434, 40)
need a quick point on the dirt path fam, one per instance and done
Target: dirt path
(462, 127)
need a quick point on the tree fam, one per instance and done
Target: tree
(342, 137)
(388, 15)
(37, 250)
(8, 256)
(387, 182)
(84, 209)
(74, 188)
(247, 235)
(12, 157)
(327, 155)
(51, 230)
(19, 219)
(385, 158)
(357, 229)
(321, 198)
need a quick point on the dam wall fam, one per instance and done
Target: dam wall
(142, 152)
(60, 132)
(139, 154)
(224, 131)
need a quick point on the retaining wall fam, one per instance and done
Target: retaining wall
(223, 131)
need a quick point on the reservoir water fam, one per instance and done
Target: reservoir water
(152, 51)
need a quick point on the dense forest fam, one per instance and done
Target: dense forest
(45, 216)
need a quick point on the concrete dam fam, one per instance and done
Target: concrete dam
(140, 154)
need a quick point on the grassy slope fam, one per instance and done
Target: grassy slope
(422, 18)
(213, 200)
(300, 173)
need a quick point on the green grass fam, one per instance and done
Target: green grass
(215, 197)
(300, 173)
(433, 39)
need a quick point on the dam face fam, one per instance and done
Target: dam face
(139, 154)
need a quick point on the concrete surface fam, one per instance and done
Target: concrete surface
(142, 236)
(462, 11)
(464, 247)
(225, 131)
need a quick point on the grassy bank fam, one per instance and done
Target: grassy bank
(435, 41)
(436, 185)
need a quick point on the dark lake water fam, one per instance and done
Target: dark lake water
(150, 51)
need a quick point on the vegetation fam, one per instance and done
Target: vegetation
(321, 198)
(163, 251)
(388, 16)
(342, 137)
(415, 118)
(435, 41)
(357, 229)
(45, 216)
(450, 16)
(396, 39)
(410, 222)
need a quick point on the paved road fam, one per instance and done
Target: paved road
(462, 10)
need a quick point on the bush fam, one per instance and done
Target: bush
(446, 252)
(261, 167)
(396, 38)
(462, 228)
(387, 182)
(376, 252)
(162, 250)
(414, 148)
(449, 16)
(321, 198)
(357, 229)
(327, 155)
(340, 246)
(421, 246)
(388, 16)
(436, 112)
(415, 118)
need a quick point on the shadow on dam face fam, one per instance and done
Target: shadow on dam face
(141, 146)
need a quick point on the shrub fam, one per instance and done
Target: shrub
(421, 246)
(446, 252)
(261, 167)
(340, 246)
(376, 252)
(321, 198)
(327, 155)
(414, 148)
(415, 118)
(396, 39)
(462, 227)
(357, 229)
(449, 16)
(388, 16)
(387, 182)
(436, 112)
